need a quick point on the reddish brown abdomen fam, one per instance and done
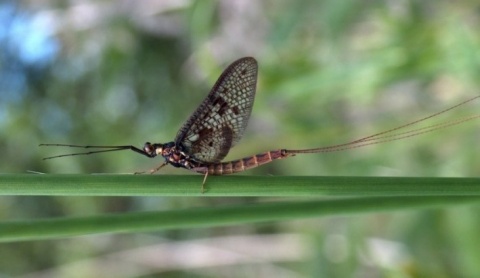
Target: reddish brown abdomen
(235, 166)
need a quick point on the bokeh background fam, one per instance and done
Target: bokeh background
(127, 72)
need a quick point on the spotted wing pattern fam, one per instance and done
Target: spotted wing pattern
(220, 120)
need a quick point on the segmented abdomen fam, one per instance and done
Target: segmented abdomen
(240, 165)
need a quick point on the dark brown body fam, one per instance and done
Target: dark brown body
(240, 165)
(177, 157)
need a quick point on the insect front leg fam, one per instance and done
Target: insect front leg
(154, 170)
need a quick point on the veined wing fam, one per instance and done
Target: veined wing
(220, 120)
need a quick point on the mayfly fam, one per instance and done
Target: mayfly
(219, 122)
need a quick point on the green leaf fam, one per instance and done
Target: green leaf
(370, 194)
(218, 216)
(188, 185)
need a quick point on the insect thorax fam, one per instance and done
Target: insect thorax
(175, 156)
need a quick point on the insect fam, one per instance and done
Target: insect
(220, 120)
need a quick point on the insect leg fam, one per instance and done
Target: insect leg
(204, 180)
(154, 170)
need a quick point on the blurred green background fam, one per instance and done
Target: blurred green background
(127, 72)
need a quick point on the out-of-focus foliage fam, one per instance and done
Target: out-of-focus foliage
(126, 72)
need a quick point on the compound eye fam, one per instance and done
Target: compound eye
(148, 148)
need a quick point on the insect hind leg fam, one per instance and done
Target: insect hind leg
(202, 170)
(204, 180)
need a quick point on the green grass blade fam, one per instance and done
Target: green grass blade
(218, 216)
(166, 185)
